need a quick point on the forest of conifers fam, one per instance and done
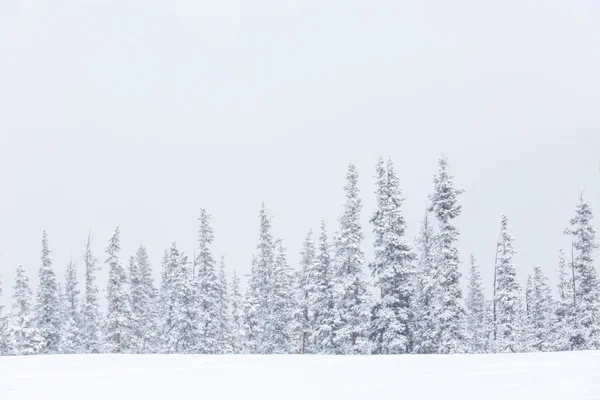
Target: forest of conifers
(413, 303)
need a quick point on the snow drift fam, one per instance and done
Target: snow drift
(545, 376)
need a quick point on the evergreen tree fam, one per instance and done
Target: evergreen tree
(508, 305)
(306, 294)
(180, 330)
(451, 315)
(223, 342)
(279, 332)
(143, 303)
(3, 327)
(208, 288)
(477, 323)
(91, 335)
(354, 301)
(48, 317)
(70, 340)
(541, 312)
(24, 336)
(256, 305)
(118, 329)
(587, 291)
(323, 304)
(424, 340)
(237, 330)
(392, 267)
(565, 334)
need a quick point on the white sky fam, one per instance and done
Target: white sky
(139, 113)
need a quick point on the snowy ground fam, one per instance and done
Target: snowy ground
(174, 377)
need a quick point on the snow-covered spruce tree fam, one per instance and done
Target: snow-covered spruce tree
(477, 323)
(47, 310)
(208, 289)
(323, 304)
(565, 333)
(24, 337)
(508, 304)
(143, 304)
(541, 312)
(587, 289)
(258, 295)
(3, 326)
(424, 330)
(528, 293)
(392, 267)
(237, 331)
(71, 338)
(306, 295)
(223, 342)
(451, 316)
(353, 298)
(280, 335)
(91, 335)
(182, 324)
(118, 329)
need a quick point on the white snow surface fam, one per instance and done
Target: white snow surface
(545, 376)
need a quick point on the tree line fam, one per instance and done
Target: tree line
(414, 303)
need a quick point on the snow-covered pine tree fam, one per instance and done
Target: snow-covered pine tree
(24, 336)
(70, 338)
(3, 326)
(392, 268)
(143, 304)
(223, 342)
(424, 339)
(118, 330)
(280, 335)
(508, 303)
(208, 288)
(48, 317)
(258, 294)
(565, 334)
(477, 323)
(451, 316)
(354, 300)
(306, 295)
(91, 335)
(237, 333)
(180, 305)
(541, 312)
(587, 289)
(323, 304)
(528, 293)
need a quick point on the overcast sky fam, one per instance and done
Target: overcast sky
(139, 113)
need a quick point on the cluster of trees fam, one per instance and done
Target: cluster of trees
(328, 305)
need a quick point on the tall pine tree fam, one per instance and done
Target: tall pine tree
(323, 304)
(477, 324)
(118, 329)
(91, 334)
(48, 316)
(306, 294)
(541, 312)
(392, 267)
(587, 290)
(208, 288)
(143, 304)
(424, 331)
(508, 304)
(237, 330)
(179, 305)
(354, 301)
(24, 336)
(451, 316)
(70, 341)
(565, 333)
